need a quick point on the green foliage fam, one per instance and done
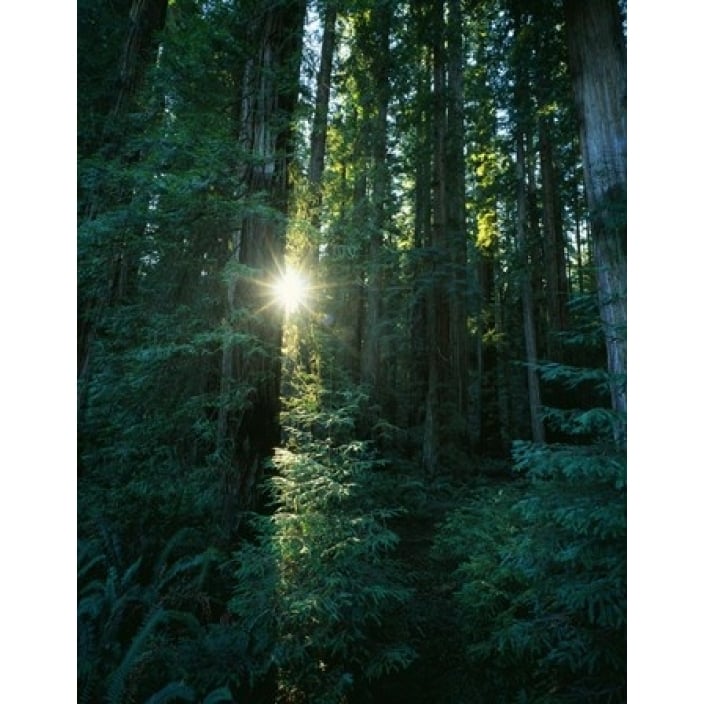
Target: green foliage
(172, 692)
(318, 591)
(181, 692)
(541, 569)
(542, 591)
(131, 619)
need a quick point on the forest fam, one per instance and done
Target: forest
(351, 351)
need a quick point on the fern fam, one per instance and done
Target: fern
(138, 648)
(221, 695)
(123, 613)
(174, 691)
(180, 691)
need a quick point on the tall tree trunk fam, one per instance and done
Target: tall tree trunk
(437, 317)
(431, 432)
(272, 88)
(555, 274)
(420, 338)
(503, 394)
(372, 363)
(536, 421)
(456, 221)
(356, 308)
(318, 137)
(598, 65)
(146, 18)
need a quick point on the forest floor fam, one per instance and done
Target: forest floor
(431, 617)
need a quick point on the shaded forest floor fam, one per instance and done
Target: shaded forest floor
(432, 617)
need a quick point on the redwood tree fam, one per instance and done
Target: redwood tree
(598, 64)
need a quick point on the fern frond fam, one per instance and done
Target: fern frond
(174, 691)
(86, 564)
(138, 646)
(165, 554)
(221, 695)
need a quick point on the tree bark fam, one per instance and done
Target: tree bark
(146, 18)
(598, 66)
(318, 138)
(536, 421)
(420, 339)
(437, 314)
(456, 221)
(372, 363)
(555, 274)
(271, 89)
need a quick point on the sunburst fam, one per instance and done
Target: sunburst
(291, 290)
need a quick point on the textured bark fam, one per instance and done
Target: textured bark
(431, 439)
(146, 18)
(318, 138)
(456, 221)
(598, 65)
(536, 421)
(372, 363)
(270, 97)
(503, 364)
(437, 318)
(357, 300)
(422, 227)
(446, 304)
(555, 268)
(448, 342)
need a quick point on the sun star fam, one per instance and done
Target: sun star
(290, 290)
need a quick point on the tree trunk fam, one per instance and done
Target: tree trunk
(536, 421)
(420, 338)
(456, 221)
(503, 394)
(318, 137)
(372, 363)
(272, 87)
(598, 65)
(555, 274)
(437, 317)
(146, 18)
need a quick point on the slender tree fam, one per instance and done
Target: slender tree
(527, 298)
(555, 266)
(380, 65)
(319, 128)
(456, 219)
